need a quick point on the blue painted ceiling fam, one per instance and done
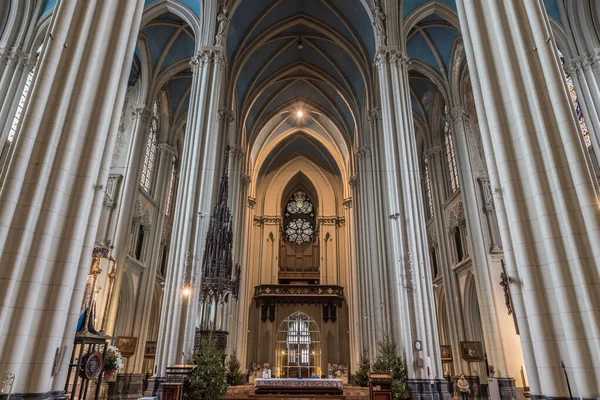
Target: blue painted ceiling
(193, 5)
(331, 71)
(170, 40)
(299, 145)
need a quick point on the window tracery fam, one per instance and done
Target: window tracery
(300, 212)
(575, 101)
(450, 153)
(169, 201)
(428, 190)
(150, 155)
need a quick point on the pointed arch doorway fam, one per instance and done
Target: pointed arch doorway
(298, 347)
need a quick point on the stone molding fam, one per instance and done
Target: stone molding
(110, 192)
(432, 237)
(332, 220)
(267, 220)
(455, 216)
(251, 202)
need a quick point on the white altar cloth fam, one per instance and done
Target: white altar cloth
(298, 384)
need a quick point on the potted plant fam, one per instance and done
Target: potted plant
(113, 362)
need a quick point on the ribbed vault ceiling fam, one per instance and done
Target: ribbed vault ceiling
(313, 56)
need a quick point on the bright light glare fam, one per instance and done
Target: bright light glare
(300, 114)
(186, 291)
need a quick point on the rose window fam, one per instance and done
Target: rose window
(299, 231)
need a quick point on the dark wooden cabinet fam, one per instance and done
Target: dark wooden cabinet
(380, 386)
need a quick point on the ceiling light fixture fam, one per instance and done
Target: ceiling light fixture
(300, 45)
(300, 113)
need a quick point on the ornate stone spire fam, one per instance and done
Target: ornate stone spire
(220, 278)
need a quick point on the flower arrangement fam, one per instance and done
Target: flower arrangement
(113, 363)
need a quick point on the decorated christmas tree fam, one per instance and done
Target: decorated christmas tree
(234, 373)
(207, 380)
(361, 376)
(389, 361)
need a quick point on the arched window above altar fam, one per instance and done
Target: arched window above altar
(300, 216)
(299, 246)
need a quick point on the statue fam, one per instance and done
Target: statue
(222, 21)
(378, 21)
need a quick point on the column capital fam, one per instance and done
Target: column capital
(363, 152)
(588, 62)
(245, 181)
(251, 202)
(347, 203)
(392, 56)
(14, 56)
(353, 181)
(206, 56)
(457, 113)
(141, 112)
(167, 150)
(433, 152)
(374, 114)
(225, 114)
(236, 152)
(572, 66)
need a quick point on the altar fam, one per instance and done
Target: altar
(298, 386)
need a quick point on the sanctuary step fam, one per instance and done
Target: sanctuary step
(287, 397)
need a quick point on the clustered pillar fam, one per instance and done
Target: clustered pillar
(202, 150)
(51, 201)
(543, 189)
(409, 262)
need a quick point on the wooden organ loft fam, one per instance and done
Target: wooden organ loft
(299, 244)
(299, 274)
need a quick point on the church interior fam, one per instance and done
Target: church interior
(299, 180)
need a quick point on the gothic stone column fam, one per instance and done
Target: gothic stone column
(499, 330)
(195, 195)
(409, 265)
(546, 199)
(51, 202)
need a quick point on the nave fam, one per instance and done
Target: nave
(300, 179)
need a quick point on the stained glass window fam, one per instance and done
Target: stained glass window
(169, 202)
(299, 212)
(150, 156)
(450, 154)
(22, 99)
(575, 101)
(299, 231)
(299, 204)
(17, 118)
(428, 189)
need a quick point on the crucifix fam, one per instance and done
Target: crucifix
(505, 283)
